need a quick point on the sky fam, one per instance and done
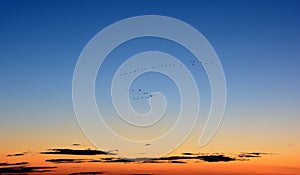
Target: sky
(257, 43)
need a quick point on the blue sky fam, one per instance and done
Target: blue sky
(257, 42)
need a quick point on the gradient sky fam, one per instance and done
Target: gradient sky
(257, 42)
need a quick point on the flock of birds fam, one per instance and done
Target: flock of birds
(153, 67)
(142, 95)
(149, 68)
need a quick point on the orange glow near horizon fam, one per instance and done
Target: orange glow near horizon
(267, 164)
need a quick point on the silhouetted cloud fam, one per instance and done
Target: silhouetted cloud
(25, 169)
(184, 158)
(252, 154)
(216, 158)
(76, 144)
(107, 158)
(174, 159)
(85, 173)
(67, 160)
(17, 154)
(13, 164)
(77, 152)
(122, 160)
(189, 154)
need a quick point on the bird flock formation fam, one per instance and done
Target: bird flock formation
(153, 67)
(142, 95)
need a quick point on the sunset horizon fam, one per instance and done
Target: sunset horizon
(150, 87)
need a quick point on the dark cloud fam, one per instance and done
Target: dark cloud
(189, 154)
(85, 173)
(77, 152)
(13, 164)
(206, 158)
(174, 159)
(67, 160)
(107, 158)
(184, 158)
(216, 158)
(122, 160)
(76, 144)
(17, 154)
(154, 161)
(252, 154)
(25, 169)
